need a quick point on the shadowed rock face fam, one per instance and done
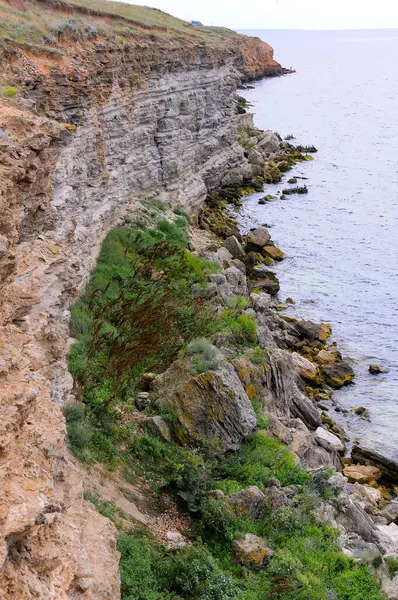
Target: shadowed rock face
(142, 119)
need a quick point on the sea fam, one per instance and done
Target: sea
(341, 239)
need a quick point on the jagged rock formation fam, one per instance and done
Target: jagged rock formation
(98, 122)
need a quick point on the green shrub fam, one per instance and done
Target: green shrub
(262, 458)
(159, 204)
(237, 302)
(205, 358)
(392, 566)
(262, 421)
(139, 558)
(79, 433)
(195, 575)
(217, 523)
(10, 91)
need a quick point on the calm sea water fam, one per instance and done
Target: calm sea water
(341, 240)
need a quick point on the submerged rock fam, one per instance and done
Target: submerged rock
(338, 374)
(377, 369)
(252, 551)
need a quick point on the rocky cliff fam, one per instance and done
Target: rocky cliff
(98, 109)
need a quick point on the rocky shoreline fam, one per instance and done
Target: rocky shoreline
(367, 515)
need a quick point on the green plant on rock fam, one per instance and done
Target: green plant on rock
(392, 566)
(10, 92)
(205, 356)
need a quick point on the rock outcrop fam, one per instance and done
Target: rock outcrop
(97, 122)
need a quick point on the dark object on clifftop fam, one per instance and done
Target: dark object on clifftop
(293, 180)
(296, 190)
(364, 456)
(377, 370)
(307, 148)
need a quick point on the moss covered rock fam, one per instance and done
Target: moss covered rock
(212, 406)
(339, 374)
(252, 552)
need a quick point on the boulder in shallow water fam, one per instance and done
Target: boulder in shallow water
(257, 239)
(273, 252)
(387, 466)
(338, 374)
(377, 369)
(313, 331)
(362, 473)
(252, 552)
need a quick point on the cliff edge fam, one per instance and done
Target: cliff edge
(99, 108)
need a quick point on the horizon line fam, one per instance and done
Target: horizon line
(313, 29)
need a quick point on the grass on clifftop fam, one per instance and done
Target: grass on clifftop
(41, 24)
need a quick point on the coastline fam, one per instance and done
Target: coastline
(369, 479)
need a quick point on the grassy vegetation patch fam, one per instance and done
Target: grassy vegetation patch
(137, 315)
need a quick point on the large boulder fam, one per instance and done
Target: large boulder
(252, 552)
(279, 497)
(210, 406)
(362, 473)
(257, 239)
(339, 374)
(313, 331)
(328, 357)
(328, 440)
(387, 466)
(269, 142)
(263, 279)
(248, 502)
(305, 367)
(236, 281)
(234, 247)
(273, 252)
(260, 302)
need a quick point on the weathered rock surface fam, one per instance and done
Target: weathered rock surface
(141, 119)
(328, 440)
(386, 465)
(362, 473)
(212, 405)
(339, 374)
(252, 552)
(305, 367)
(257, 239)
(248, 502)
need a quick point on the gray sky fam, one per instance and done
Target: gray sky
(284, 14)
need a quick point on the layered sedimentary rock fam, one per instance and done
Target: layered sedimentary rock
(96, 125)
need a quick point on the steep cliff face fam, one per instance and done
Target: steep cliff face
(97, 121)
